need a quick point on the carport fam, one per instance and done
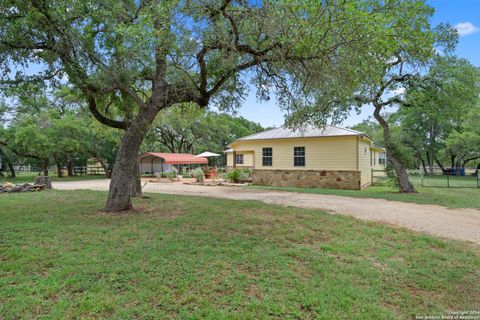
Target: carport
(151, 162)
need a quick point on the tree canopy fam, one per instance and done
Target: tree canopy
(445, 98)
(190, 129)
(146, 56)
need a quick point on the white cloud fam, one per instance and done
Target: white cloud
(465, 28)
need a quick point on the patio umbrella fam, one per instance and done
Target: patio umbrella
(207, 154)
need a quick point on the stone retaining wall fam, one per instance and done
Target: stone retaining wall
(348, 180)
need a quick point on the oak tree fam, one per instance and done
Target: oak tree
(155, 54)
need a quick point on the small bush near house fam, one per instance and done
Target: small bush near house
(187, 175)
(222, 175)
(172, 175)
(234, 175)
(245, 174)
(199, 175)
(237, 175)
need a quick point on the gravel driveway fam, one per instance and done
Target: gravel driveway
(461, 224)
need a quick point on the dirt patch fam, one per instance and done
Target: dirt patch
(253, 291)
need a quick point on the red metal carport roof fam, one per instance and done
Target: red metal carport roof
(175, 158)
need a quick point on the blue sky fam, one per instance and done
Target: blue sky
(462, 13)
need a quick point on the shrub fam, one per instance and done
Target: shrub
(237, 175)
(234, 175)
(199, 175)
(172, 175)
(223, 175)
(245, 174)
(187, 175)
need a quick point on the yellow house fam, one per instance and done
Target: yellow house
(329, 157)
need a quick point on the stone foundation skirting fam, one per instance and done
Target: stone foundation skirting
(347, 180)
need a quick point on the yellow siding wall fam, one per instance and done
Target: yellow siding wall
(376, 163)
(364, 162)
(327, 153)
(248, 159)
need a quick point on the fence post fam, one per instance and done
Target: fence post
(422, 179)
(448, 180)
(478, 178)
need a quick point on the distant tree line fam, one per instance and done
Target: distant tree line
(54, 128)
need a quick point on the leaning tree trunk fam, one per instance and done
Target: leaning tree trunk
(423, 166)
(124, 170)
(401, 175)
(13, 174)
(105, 167)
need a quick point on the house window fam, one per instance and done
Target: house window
(239, 158)
(382, 158)
(371, 158)
(267, 157)
(299, 156)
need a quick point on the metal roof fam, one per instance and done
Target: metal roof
(307, 132)
(174, 158)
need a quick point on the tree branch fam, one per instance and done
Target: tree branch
(92, 106)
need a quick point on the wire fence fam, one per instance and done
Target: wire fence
(453, 178)
(450, 181)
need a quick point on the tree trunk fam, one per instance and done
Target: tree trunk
(395, 160)
(45, 167)
(13, 174)
(59, 169)
(423, 165)
(70, 167)
(137, 180)
(452, 159)
(119, 196)
(102, 162)
(430, 162)
(2, 167)
(440, 165)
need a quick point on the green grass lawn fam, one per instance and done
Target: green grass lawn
(460, 197)
(29, 177)
(197, 258)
